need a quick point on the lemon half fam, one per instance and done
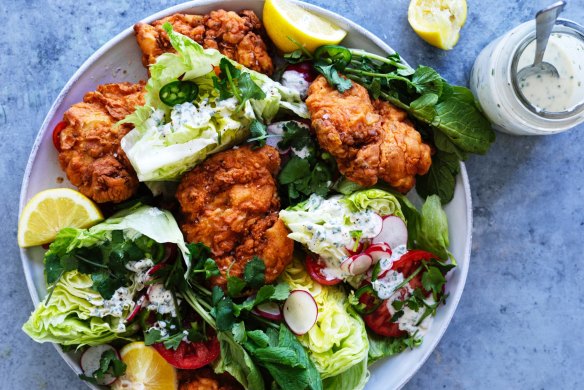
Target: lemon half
(52, 210)
(145, 370)
(286, 22)
(438, 22)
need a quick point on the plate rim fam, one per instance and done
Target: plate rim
(200, 3)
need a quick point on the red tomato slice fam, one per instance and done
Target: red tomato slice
(56, 134)
(380, 320)
(190, 356)
(314, 268)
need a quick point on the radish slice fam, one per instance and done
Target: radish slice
(378, 252)
(354, 252)
(269, 310)
(394, 232)
(378, 220)
(156, 268)
(360, 264)
(345, 264)
(300, 311)
(142, 302)
(90, 362)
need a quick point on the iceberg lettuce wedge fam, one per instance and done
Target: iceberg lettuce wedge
(168, 141)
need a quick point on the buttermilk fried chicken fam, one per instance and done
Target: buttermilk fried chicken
(205, 379)
(90, 151)
(230, 203)
(237, 36)
(369, 140)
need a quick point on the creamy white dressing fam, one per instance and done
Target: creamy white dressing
(120, 302)
(335, 231)
(407, 322)
(161, 300)
(386, 286)
(555, 94)
(295, 81)
(302, 153)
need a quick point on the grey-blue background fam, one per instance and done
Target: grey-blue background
(519, 323)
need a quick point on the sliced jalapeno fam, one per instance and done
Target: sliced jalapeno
(178, 92)
(339, 56)
(368, 300)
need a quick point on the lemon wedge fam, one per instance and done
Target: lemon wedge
(438, 22)
(52, 210)
(145, 370)
(286, 22)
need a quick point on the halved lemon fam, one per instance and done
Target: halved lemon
(438, 22)
(287, 23)
(52, 210)
(145, 370)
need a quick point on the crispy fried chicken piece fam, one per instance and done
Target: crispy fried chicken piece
(230, 203)
(238, 36)
(205, 379)
(90, 151)
(369, 140)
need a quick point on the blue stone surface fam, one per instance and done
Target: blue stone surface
(519, 323)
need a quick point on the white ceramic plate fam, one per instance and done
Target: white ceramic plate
(119, 60)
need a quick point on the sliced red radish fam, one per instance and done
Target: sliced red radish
(269, 310)
(378, 220)
(378, 252)
(345, 264)
(305, 69)
(155, 269)
(360, 264)
(300, 311)
(394, 232)
(170, 251)
(140, 303)
(359, 249)
(90, 362)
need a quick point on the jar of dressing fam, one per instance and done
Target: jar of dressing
(541, 103)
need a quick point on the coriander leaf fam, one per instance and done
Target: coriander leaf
(211, 269)
(281, 292)
(173, 342)
(258, 133)
(105, 284)
(217, 295)
(331, 75)
(297, 137)
(296, 57)
(224, 314)
(108, 364)
(254, 272)
(152, 336)
(433, 280)
(249, 89)
(235, 286)
(296, 168)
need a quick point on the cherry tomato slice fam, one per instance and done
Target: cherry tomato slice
(314, 267)
(190, 356)
(380, 320)
(57, 133)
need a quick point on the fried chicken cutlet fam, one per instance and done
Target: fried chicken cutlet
(369, 140)
(236, 35)
(90, 151)
(230, 203)
(205, 379)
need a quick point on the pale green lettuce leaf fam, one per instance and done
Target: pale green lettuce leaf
(355, 378)
(67, 317)
(382, 202)
(338, 340)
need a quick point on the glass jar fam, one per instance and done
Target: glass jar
(501, 95)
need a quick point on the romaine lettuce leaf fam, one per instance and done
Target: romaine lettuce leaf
(168, 141)
(338, 340)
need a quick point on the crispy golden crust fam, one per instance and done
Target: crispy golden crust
(91, 154)
(230, 203)
(205, 379)
(369, 140)
(238, 36)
